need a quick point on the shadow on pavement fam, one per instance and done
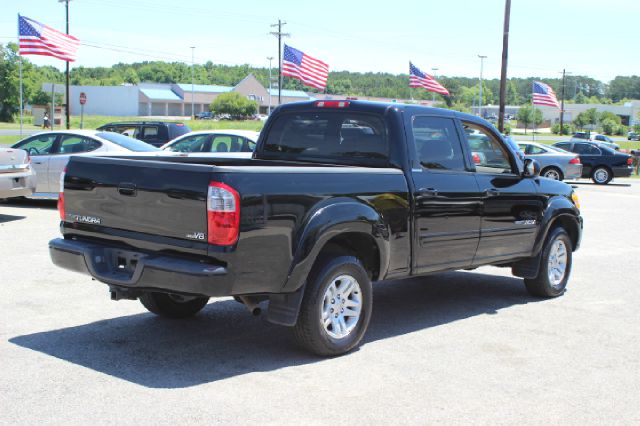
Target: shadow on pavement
(589, 183)
(4, 218)
(224, 340)
(27, 203)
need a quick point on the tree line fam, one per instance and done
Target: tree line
(464, 90)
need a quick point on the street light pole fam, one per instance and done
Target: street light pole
(193, 113)
(503, 71)
(269, 58)
(482, 58)
(67, 112)
(433, 94)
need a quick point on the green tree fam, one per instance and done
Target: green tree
(609, 126)
(233, 103)
(527, 116)
(580, 98)
(608, 115)
(9, 82)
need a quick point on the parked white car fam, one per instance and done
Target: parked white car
(17, 178)
(215, 142)
(50, 152)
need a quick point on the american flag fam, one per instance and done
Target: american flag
(543, 94)
(305, 68)
(39, 39)
(419, 79)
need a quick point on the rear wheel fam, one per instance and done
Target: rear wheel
(555, 266)
(552, 173)
(336, 307)
(173, 305)
(601, 175)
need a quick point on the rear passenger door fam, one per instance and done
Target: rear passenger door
(590, 156)
(67, 146)
(511, 208)
(446, 196)
(152, 135)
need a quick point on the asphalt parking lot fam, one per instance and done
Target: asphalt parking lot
(461, 347)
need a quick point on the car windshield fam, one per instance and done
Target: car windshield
(127, 142)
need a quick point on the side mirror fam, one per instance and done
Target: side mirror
(531, 168)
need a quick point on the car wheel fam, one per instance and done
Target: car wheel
(601, 175)
(552, 173)
(173, 305)
(555, 266)
(336, 307)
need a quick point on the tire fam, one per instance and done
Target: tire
(601, 175)
(172, 305)
(321, 301)
(555, 266)
(552, 173)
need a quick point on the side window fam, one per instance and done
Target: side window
(591, 150)
(149, 132)
(130, 131)
(247, 145)
(39, 145)
(222, 143)
(536, 150)
(73, 144)
(437, 143)
(194, 143)
(488, 153)
(565, 146)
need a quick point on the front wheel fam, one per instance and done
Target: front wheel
(336, 307)
(601, 175)
(555, 266)
(173, 305)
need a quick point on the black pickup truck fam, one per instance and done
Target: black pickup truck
(338, 194)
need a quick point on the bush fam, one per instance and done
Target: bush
(609, 126)
(567, 129)
(622, 130)
(234, 104)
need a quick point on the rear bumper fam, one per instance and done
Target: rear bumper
(573, 171)
(624, 171)
(17, 184)
(141, 271)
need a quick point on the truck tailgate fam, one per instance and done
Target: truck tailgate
(144, 203)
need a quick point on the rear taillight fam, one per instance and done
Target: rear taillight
(61, 195)
(476, 157)
(630, 161)
(332, 104)
(223, 214)
(575, 160)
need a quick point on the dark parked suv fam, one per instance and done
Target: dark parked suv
(156, 133)
(599, 162)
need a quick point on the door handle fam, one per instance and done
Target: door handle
(37, 162)
(127, 189)
(491, 192)
(424, 193)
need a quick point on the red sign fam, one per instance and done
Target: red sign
(83, 98)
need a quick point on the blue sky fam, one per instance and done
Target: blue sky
(588, 37)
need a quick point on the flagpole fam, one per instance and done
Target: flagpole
(533, 116)
(20, 71)
(21, 102)
(67, 100)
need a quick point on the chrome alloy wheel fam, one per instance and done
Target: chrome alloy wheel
(557, 264)
(341, 307)
(601, 175)
(552, 174)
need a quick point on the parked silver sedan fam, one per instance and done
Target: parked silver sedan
(50, 153)
(555, 163)
(17, 178)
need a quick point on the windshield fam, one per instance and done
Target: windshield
(127, 142)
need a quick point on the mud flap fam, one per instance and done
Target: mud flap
(284, 308)
(527, 268)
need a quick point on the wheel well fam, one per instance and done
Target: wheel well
(570, 226)
(356, 244)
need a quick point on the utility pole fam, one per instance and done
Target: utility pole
(564, 75)
(269, 58)
(279, 34)
(66, 107)
(433, 94)
(503, 72)
(482, 58)
(193, 113)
